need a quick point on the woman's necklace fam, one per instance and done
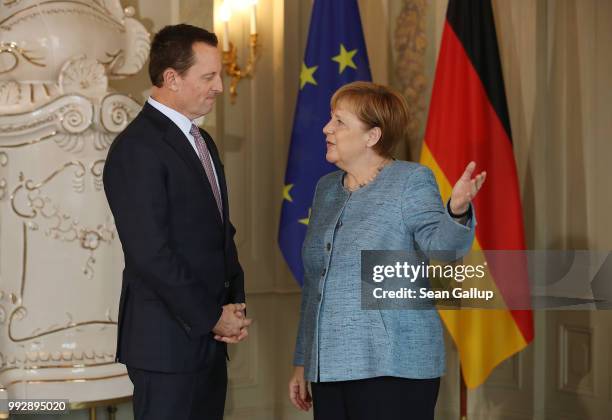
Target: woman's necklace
(362, 184)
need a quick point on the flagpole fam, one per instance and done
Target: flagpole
(462, 396)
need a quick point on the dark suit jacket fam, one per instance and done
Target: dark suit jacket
(181, 263)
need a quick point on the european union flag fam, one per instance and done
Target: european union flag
(335, 55)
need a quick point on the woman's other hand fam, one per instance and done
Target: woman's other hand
(466, 189)
(298, 390)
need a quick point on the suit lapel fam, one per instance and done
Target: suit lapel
(177, 140)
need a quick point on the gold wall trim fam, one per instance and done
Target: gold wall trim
(46, 89)
(24, 260)
(21, 309)
(92, 404)
(13, 49)
(29, 185)
(58, 366)
(65, 380)
(56, 99)
(28, 143)
(69, 366)
(5, 369)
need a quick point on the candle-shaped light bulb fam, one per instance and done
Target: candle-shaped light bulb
(253, 17)
(225, 14)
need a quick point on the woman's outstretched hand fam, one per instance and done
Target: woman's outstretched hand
(466, 189)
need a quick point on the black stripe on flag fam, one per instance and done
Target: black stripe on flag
(472, 21)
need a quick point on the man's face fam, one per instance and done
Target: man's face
(201, 83)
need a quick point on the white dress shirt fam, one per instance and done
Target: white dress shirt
(184, 124)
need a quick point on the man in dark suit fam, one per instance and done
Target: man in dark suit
(182, 297)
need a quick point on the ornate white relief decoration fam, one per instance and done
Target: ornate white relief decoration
(116, 112)
(41, 40)
(10, 92)
(128, 61)
(83, 75)
(60, 265)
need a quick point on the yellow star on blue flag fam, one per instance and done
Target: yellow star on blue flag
(345, 58)
(307, 75)
(286, 192)
(306, 220)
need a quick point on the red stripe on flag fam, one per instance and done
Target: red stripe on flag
(463, 126)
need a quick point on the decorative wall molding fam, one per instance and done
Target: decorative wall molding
(410, 44)
(575, 357)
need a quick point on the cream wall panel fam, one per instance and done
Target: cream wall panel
(288, 54)
(575, 356)
(447, 406)
(600, 227)
(245, 134)
(578, 368)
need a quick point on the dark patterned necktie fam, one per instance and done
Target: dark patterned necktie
(206, 160)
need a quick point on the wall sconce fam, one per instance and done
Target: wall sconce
(230, 52)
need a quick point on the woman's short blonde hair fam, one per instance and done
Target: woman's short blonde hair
(376, 106)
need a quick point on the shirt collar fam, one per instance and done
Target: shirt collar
(181, 121)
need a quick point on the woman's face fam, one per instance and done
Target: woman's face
(346, 136)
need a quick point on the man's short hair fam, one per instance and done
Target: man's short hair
(172, 48)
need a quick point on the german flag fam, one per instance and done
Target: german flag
(468, 120)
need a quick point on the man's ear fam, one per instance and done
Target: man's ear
(374, 135)
(171, 79)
